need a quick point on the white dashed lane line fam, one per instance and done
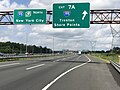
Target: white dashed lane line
(5, 65)
(33, 67)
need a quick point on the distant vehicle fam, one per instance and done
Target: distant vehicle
(1, 54)
(26, 53)
(79, 52)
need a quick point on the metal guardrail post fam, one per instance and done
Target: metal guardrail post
(119, 59)
(115, 65)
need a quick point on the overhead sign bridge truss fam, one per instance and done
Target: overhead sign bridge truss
(110, 16)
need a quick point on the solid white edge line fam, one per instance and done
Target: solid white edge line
(63, 74)
(34, 67)
(88, 58)
(9, 64)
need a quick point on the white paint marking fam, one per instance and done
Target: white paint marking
(63, 74)
(64, 58)
(34, 61)
(34, 67)
(57, 60)
(9, 64)
(88, 58)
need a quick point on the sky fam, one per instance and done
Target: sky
(25, 2)
(43, 35)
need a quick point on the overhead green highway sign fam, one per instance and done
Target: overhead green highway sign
(71, 15)
(30, 16)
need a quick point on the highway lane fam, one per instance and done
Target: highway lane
(14, 64)
(9, 75)
(96, 75)
(71, 73)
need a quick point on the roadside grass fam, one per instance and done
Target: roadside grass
(113, 57)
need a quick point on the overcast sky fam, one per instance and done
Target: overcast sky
(73, 39)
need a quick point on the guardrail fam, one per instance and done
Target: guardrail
(115, 65)
(28, 56)
(22, 56)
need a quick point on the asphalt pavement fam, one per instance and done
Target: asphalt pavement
(75, 72)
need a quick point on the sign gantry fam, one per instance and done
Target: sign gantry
(108, 16)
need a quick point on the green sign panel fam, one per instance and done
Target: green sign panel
(71, 15)
(30, 16)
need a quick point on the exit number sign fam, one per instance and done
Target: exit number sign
(71, 15)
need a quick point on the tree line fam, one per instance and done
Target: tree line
(115, 50)
(12, 47)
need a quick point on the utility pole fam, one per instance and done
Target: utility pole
(26, 42)
(115, 34)
(93, 44)
(20, 49)
(53, 45)
(33, 50)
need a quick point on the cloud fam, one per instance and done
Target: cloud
(4, 39)
(41, 4)
(5, 5)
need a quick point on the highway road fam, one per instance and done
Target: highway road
(75, 72)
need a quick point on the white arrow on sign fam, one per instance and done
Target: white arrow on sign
(84, 14)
